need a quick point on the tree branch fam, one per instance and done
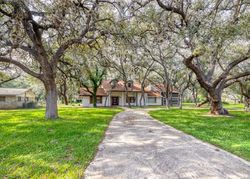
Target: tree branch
(236, 78)
(20, 65)
(200, 76)
(60, 51)
(173, 9)
(230, 67)
(10, 79)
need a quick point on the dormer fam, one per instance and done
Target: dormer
(130, 84)
(113, 83)
(150, 87)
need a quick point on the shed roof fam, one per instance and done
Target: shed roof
(12, 91)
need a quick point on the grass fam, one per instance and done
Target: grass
(238, 106)
(32, 147)
(229, 133)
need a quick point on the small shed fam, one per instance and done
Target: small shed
(11, 98)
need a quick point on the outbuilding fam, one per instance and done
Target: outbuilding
(11, 98)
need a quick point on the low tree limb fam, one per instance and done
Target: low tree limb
(10, 79)
(20, 65)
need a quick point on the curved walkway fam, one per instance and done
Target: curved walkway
(137, 146)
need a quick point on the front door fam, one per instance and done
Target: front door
(115, 101)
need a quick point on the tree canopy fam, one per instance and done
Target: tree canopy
(182, 44)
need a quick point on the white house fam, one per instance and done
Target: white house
(113, 93)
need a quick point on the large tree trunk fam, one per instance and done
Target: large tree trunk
(216, 104)
(51, 100)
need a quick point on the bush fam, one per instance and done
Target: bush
(29, 105)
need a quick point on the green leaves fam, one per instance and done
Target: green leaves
(199, 50)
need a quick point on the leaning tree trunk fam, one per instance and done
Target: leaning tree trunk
(51, 99)
(216, 107)
(65, 98)
(203, 102)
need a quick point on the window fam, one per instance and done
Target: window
(176, 95)
(19, 98)
(98, 99)
(2, 98)
(151, 99)
(130, 100)
(26, 99)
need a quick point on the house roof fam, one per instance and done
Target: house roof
(119, 86)
(12, 91)
(154, 94)
(106, 87)
(100, 92)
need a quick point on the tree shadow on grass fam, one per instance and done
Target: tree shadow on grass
(31, 146)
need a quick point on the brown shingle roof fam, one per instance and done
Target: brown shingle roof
(106, 87)
(120, 86)
(154, 94)
(100, 92)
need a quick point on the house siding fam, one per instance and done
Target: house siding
(86, 102)
(122, 99)
(158, 102)
(10, 103)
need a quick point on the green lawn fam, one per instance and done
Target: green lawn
(229, 133)
(238, 106)
(32, 147)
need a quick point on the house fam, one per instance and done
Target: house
(11, 98)
(113, 93)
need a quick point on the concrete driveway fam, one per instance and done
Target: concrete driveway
(137, 146)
